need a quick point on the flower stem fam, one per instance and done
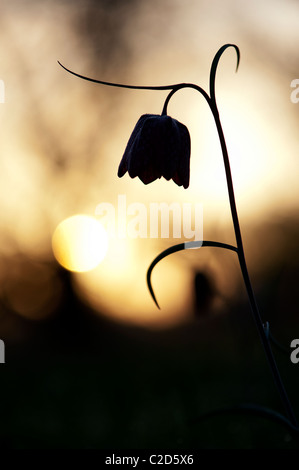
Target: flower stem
(254, 309)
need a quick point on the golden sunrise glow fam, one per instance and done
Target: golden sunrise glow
(80, 243)
(60, 150)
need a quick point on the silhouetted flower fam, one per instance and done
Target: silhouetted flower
(159, 146)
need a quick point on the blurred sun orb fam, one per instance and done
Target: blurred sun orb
(80, 243)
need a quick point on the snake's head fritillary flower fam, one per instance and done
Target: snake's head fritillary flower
(159, 146)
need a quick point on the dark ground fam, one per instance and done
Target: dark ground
(79, 381)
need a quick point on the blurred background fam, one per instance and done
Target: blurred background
(90, 360)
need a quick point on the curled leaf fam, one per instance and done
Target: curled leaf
(180, 247)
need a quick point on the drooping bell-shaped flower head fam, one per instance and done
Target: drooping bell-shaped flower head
(159, 146)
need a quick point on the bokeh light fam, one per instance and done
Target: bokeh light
(80, 243)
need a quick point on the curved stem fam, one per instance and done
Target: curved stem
(175, 249)
(179, 87)
(174, 88)
(185, 85)
(241, 255)
(215, 65)
(119, 85)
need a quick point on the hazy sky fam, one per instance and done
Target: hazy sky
(62, 138)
